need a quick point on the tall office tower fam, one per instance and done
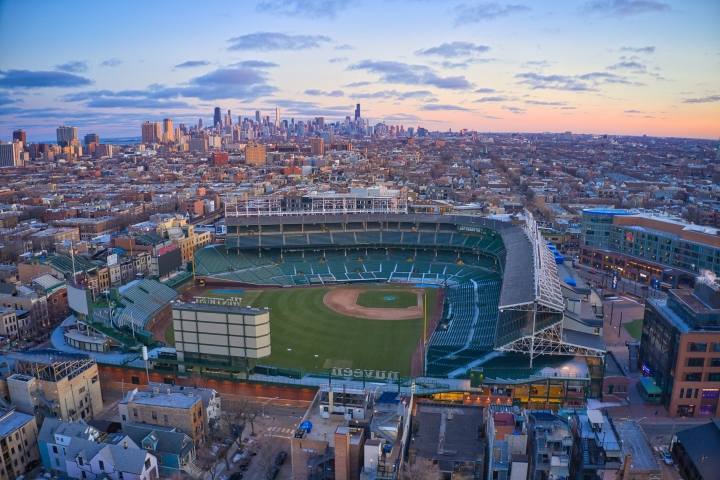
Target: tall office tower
(10, 154)
(239, 120)
(257, 116)
(357, 112)
(277, 117)
(217, 118)
(168, 132)
(228, 119)
(301, 129)
(200, 124)
(320, 121)
(20, 136)
(151, 132)
(66, 135)
(92, 138)
(178, 134)
(317, 146)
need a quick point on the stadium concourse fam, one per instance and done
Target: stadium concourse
(502, 288)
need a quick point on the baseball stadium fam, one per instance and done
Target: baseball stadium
(355, 290)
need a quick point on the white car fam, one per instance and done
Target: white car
(667, 457)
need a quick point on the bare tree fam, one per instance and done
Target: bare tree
(266, 448)
(420, 469)
(210, 461)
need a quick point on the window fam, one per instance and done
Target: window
(17, 436)
(55, 450)
(696, 393)
(714, 377)
(147, 463)
(165, 418)
(80, 461)
(102, 465)
(154, 415)
(715, 362)
(710, 393)
(82, 390)
(707, 409)
(697, 346)
(124, 419)
(57, 462)
(134, 412)
(120, 475)
(135, 380)
(84, 474)
(695, 362)
(693, 377)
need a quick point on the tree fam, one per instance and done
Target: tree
(420, 469)
(209, 460)
(266, 448)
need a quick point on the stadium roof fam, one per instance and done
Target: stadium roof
(143, 300)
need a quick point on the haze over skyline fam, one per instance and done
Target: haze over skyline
(601, 66)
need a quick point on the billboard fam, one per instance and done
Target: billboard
(169, 259)
(78, 299)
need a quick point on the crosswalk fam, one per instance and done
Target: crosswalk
(279, 432)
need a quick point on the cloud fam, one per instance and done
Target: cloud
(402, 117)
(271, 41)
(338, 60)
(41, 79)
(113, 62)
(255, 64)
(192, 64)
(637, 67)
(515, 110)
(441, 107)
(487, 11)
(6, 100)
(485, 90)
(497, 98)
(454, 49)
(568, 108)
(632, 111)
(357, 84)
(303, 8)
(398, 72)
(344, 46)
(537, 63)
(623, 8)
(538, 102)
(574, 83)
(648, 49)
(425, 95)
(709, 99)
(241, 83)
(73, 66)
(334, 93)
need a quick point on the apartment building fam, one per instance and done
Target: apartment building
(183, 411)
(18, 444)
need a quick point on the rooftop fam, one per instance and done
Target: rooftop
(11, 420)
(448, 432)
(171, 400)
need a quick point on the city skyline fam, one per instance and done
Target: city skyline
(621, 67)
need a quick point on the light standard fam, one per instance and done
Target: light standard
(316, 361)
(289, 350)
(122, 387)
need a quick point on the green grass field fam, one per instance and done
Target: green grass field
(387, 299)
(634, 328)
(170, 335)
(300, 321)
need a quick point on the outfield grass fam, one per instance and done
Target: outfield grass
(634, 328)
(381, 299)
(170, 335)
(300, 321)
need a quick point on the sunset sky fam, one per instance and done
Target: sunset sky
(600, 66)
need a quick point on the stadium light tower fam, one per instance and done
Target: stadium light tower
(289, 350)
(316, 361)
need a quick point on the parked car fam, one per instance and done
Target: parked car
(244, 464)
(272, 474)
(592, 271)
(281, 457)
(667, 457)
(236, 476)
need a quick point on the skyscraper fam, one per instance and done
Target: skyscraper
(151, 132)
(257, 116)
(217, 118)
(20, 136)
(10, 154)
(200, 126)
(92, 138)
(168, 132)
(357, 112)
(228, 119)
(66, 135)
(277, 117)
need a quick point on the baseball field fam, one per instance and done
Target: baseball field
(358, 327)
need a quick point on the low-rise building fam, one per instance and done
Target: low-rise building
(18, 443)
(179, 410)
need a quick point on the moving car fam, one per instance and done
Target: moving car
(592, 271)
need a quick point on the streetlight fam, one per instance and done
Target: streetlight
(289, 350)
(316, 361)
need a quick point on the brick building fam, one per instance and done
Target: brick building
(179, 410)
